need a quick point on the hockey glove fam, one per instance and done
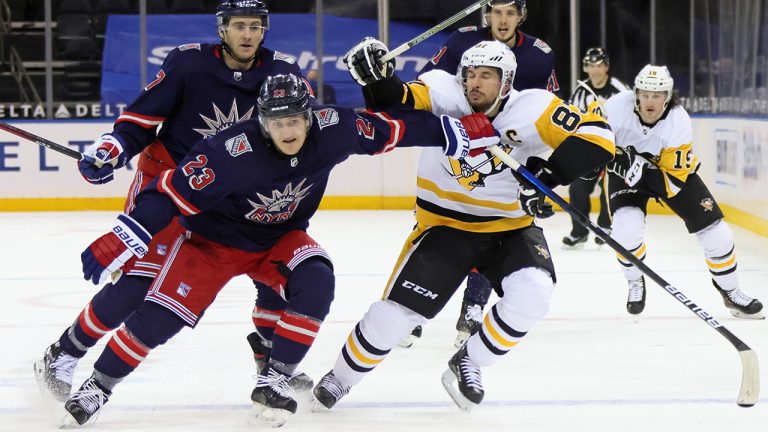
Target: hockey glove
(533, 201)
(365, 64)
(629, 165)
(115, 250)
(468, 136)
(101, 159)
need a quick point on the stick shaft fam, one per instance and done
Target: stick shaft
(424, 36)
(41, 141)
(750, 374)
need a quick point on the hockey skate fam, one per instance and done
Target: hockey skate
(572, 243)
(470, 321)
(261, 347)
(273, 398)
(408, 341)
(636, 296)
(329, 391)
(54, 372)
(463, 381)
(739, 304)
(85, 404)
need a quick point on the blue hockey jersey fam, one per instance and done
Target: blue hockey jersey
(535, 60)
(235, 189)
(196, 95)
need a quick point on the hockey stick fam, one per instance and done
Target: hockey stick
(592, 92)
(422, 37)
(42, 141)
(750, 373)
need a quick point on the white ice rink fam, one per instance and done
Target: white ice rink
(587, 367)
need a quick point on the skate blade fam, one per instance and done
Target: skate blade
(48, 395)
(577, 246)
(68, 422)
(739, 314)
(461, 339)
(265, 416)
(318, 407)
(450, 383)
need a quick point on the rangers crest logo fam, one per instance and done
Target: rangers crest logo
(238, 145)
(708, 204)
(284, 57)
(280, 206)
(540, 44)
(326, 117)
(189, 47)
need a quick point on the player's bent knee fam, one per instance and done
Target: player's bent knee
(154, 324)
(311, 288)
(527, 295)
(386, 323)
(716, 239)
(628, 226)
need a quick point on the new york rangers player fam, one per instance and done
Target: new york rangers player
(244, 199)
(201, 89)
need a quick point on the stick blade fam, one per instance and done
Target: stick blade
(750, 379)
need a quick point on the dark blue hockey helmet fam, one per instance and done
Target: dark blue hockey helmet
(283, 96)
(229, 8)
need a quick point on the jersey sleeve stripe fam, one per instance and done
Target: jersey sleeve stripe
(396, 131)
(146, 122)
(164, 185)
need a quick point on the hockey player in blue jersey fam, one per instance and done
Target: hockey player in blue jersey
(536, 70)
(503, 18)
(244, 199)
(201, 89)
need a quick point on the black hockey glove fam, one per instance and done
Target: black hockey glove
(532, 200)
(365, 64)
(629, 164)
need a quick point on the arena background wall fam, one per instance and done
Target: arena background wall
(734, 154)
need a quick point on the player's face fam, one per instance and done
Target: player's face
(504, 21)
(651, 104)
(244, 35)
(483, 85)
(288, 133)
(597, 72)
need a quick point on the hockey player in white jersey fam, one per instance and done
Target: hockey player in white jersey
(471, 213)
(656, 160)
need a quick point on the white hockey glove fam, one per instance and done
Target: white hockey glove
(365, 64)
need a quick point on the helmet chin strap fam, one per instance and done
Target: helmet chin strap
(235, 56)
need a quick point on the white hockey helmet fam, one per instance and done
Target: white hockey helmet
(655, 78)
(493, 54)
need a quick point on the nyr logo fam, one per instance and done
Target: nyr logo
(326, 117)
(221, 121)
(238, 145)
(280, 206)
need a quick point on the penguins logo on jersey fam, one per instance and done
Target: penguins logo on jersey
(708, 204)
(541, 250)
(471, 172)
(222, 121)
(280, 207)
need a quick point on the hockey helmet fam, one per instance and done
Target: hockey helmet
(229, 8)
(493, 54)
(283, 96)
(654, 78)
(504, 3)
(595, 55)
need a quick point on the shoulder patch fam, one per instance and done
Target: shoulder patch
(326, 117)
(189, 47)
(540, 44)
(284, 57)
(238, 145)
(467, 29)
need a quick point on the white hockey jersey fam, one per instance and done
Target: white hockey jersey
(479, 193)
(670, 140)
